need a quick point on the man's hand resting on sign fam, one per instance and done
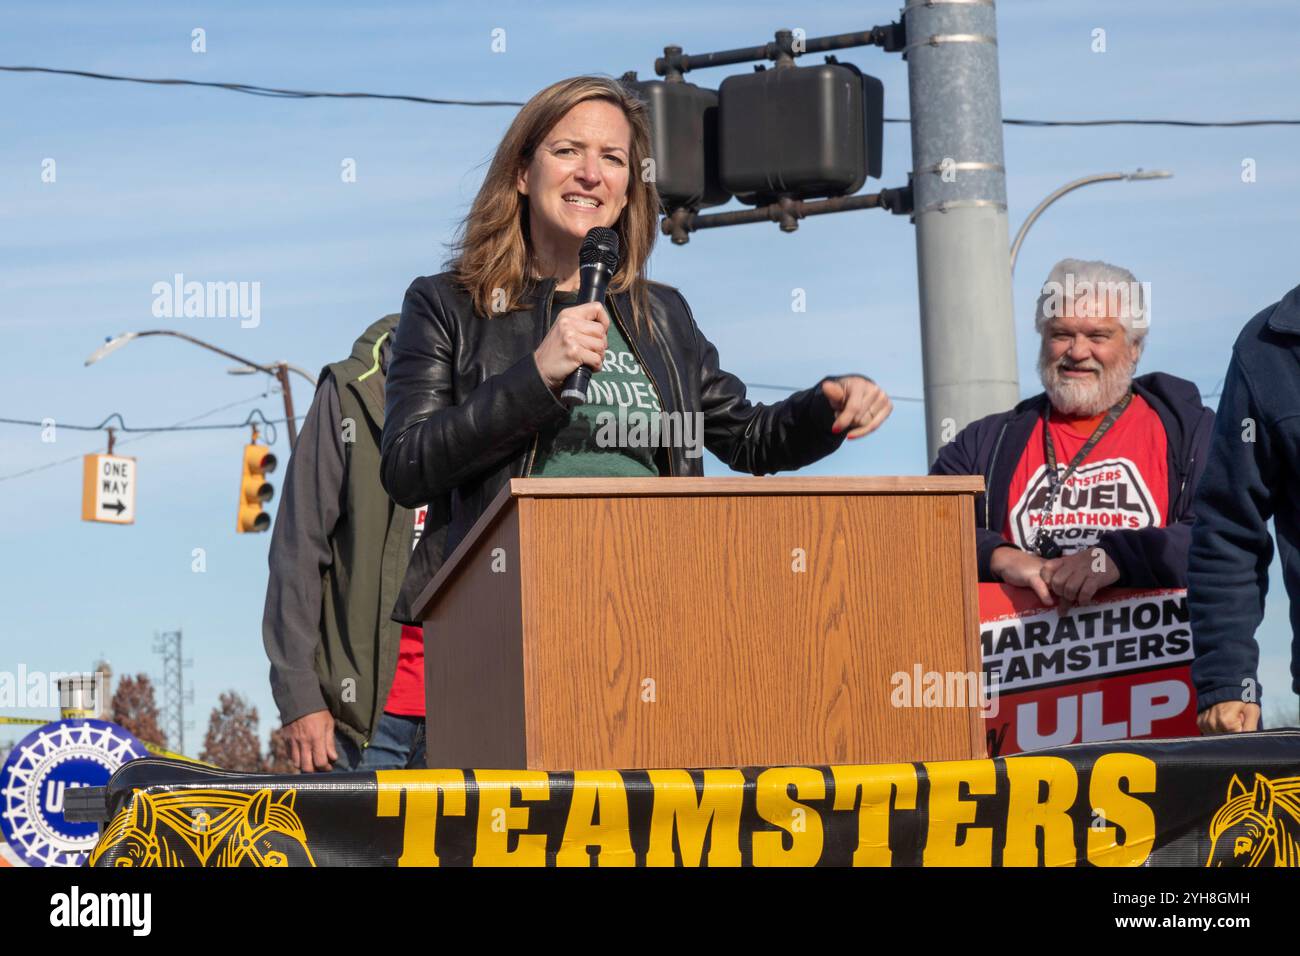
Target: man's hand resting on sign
(1228, 717)
(1021, 569)
(1079, 576)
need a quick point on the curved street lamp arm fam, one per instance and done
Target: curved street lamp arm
(1070, 187)
(294, 368)
(269, 369)
(280, 370)
(1038, 210)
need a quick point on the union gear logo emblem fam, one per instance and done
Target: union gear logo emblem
(39, 772)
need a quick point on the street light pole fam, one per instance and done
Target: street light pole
(1071, 187)
(280, 370)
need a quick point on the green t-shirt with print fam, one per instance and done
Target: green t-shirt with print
(591, 444)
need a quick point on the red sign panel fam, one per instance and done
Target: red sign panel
(1116, 669)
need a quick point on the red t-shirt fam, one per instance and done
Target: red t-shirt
(406, 696)
(1122, 485)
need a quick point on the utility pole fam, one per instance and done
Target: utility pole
(282, 375)
(968, 341)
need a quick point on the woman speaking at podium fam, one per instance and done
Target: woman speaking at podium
(483, 350)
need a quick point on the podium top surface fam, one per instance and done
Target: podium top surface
(828, 486)
(695, 487)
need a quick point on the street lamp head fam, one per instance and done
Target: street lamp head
(1149, 174)
(110, 345)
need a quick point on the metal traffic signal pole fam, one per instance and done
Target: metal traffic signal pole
(968, 342)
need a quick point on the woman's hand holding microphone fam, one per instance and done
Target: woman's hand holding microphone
(579, 336)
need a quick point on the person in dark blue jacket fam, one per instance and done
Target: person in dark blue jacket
(1091, 482)
(1251, 475)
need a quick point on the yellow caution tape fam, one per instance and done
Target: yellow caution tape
(67, 713)
(160, 752)
(75, 715)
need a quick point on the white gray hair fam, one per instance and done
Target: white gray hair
(1071, 279)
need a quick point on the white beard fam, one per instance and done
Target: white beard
(1084, 397)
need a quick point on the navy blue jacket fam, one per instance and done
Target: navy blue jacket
(1252, 474)
(1147, 557)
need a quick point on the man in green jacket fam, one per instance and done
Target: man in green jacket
(348, 680)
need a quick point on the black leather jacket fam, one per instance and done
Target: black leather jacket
(465, 402)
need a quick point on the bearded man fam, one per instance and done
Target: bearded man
(1091, 483)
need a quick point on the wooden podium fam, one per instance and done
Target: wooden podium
(704, 622)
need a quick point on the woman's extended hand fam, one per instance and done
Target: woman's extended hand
(861, 403)
(578, 337)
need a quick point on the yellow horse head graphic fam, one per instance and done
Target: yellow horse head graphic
(267, 833)
(1259, 826)
(206, 828)
(133, 834)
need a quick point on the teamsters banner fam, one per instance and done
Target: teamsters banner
(1220, 801)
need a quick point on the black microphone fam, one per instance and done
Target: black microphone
(596, 264)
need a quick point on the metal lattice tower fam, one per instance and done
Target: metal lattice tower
(168, 644)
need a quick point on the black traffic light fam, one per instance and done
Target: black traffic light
(683, 141)
(800, 131)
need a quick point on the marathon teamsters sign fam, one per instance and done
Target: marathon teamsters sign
(1115, 669)
(1224, 801)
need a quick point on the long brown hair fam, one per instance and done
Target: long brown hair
(492, 257)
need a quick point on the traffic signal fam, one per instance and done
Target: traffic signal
(683, 141)
(801, 131)
(254, 489)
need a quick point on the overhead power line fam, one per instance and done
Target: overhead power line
(1219, 124)
(791, 388)
(145, 432)
(260, 418)
(255, 417)
(259, 90)
(253, 90)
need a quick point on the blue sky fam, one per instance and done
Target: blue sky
(152, 181)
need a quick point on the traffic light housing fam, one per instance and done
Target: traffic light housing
(254, 490)
(800, 131)
(683, 141)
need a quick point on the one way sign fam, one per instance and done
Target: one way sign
(108, 489)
